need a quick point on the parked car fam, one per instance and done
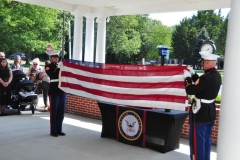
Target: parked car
(22, 55)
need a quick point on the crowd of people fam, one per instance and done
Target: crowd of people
(36, 74)
(46, 82)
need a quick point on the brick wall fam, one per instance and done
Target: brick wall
(89, 108)
(82, 106)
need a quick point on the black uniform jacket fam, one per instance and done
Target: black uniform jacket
(205, 87)
(53, 73)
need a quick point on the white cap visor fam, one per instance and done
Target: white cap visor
(208, 56)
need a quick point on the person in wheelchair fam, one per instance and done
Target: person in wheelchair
(33, 78)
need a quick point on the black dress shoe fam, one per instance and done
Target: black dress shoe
(61, 134)
(54, 134)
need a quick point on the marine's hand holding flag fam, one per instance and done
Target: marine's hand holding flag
(60, 64)
(186, 74)
(191, 70)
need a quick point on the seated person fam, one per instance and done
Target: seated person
(33, 78)
(35, 67)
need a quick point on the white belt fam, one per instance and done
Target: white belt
(207, 101)
(54, 80)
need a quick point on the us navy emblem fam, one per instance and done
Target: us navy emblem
(130, 125)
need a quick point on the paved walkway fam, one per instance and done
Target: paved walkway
(26, 137)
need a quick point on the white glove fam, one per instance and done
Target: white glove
(191, 70)
(60, 64)
(186, 74)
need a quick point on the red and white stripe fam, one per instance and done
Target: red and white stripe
(141, 86)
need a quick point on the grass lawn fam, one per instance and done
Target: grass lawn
(202, 71)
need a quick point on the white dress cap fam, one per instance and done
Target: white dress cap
(54, 53)
(208, 56)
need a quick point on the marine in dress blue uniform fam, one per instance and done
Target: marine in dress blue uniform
(57, 97)
(205, 88)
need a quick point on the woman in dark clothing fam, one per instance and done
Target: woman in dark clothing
(5, 80)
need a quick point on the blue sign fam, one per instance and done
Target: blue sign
(163, 51)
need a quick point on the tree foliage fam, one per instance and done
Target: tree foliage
(221, 40)
(183, 40)
(122, 39)
(29, 28)
(210, 20)
(130, 38)
(201, 38)
(189, 35)
(159, 35)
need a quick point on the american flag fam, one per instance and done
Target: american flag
(131, 85)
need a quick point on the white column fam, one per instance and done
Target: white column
(89, 40)
(78, 36)
(229, 128)
(101, 40)
(69, 43)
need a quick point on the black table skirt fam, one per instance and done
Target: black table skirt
(160, 130)
(163, 129)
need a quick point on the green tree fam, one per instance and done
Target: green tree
(123, 40)
(183, 40)
(206, 23)
(143, 29)
(29, 28)
(201, 37)
(210, 20)
(158, 35)
(221, 40)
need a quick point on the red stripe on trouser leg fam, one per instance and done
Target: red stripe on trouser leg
(50, 103)
(195, 141)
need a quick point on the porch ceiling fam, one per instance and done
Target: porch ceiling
(128, 7)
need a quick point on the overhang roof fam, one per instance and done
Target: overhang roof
(128, 7)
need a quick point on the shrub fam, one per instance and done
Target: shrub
(218, 99)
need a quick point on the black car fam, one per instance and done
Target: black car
(22, 55)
